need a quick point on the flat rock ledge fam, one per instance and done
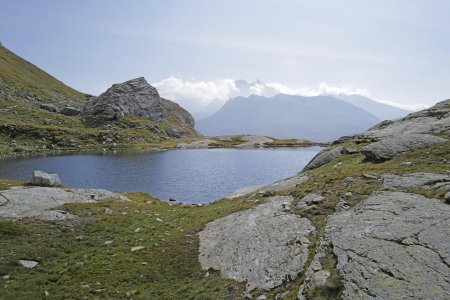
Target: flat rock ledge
(395, 245)
(278, 186)
(40, 202)
(390, 147)
(263, 246)
(419, 180)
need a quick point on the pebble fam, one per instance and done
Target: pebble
(108, 211)
(137, 230)
(137, 248)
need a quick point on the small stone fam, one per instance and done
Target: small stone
(28, 263)
(108, 211)
(131, 293)
(46, 294)
(207, 274)
(349, 194)
(6, 277)
(79, 238)
(262, 297)
(137, 230)
(370, 176)
(137, 248)
(109, 242)
(20, 149)
(85, 286)
(406, 163)
(159, 220)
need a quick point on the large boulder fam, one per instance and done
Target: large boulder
(394, 245)
(389, 147)
(325, 156)
(264, 246)
(135, 97)
(44, 179)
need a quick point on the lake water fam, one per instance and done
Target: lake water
(190, 176)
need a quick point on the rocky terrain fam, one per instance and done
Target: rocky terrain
(374, 234)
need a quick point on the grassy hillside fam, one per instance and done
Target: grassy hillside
(20, 74)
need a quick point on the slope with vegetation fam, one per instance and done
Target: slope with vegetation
(38, 113)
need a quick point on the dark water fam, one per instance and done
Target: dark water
(191, 176)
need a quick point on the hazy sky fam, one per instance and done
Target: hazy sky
(397, 51)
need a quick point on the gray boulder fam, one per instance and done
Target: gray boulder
(135, 97)
(394, 245)
(388, 148)
(324, 157)
(49, 107)
(70, 111)
(44, 179)
(263, 246)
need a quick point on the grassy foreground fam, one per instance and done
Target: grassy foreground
(92, 258)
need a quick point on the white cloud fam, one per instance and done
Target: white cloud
(204, 97)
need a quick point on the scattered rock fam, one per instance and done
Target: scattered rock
(406, 163)
(325, 156)
(49, 107)
(44, 179)
(159, 220)
(6, 277)
(262, 297)
(109, 242)
(137, 230)
(260, 245)
(388, 148)
(70, 111)
(394, 245)
(137, 248)
(108, 211)
(370, 176)
(28, 263)
(447, 198)
(350, 180)
(310, 199)
(20, 149)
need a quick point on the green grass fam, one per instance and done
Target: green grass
(75, 263)
(20, 73)
(26, 126)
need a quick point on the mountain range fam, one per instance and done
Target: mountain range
(318, 118)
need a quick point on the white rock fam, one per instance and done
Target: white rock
(28, 263)
(44, 179)
(137, 248)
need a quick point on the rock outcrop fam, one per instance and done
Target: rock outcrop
(40, 202)
(390, 147)
(135, 97)
(174, 110)
(394, 245)
(264, 246)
